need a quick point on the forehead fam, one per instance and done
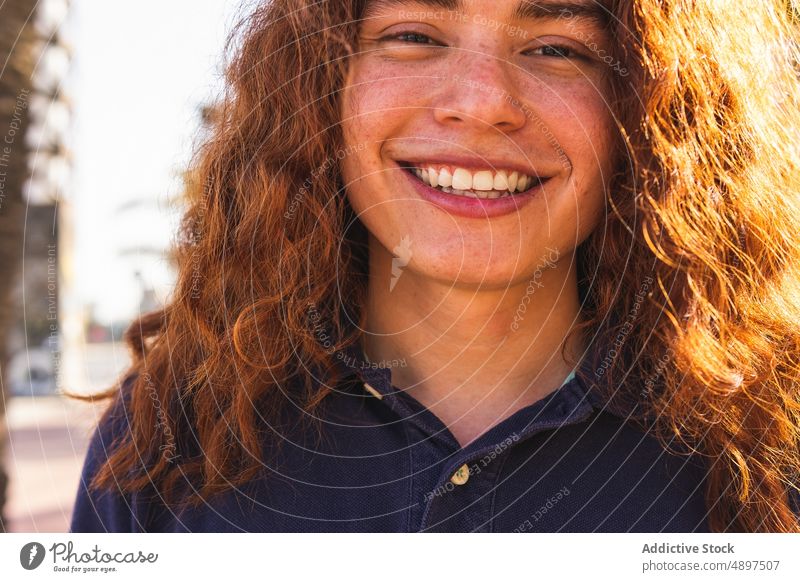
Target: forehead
(594, 11)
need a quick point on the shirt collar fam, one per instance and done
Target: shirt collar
(585, 380)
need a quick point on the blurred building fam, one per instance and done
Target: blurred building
(34, 166)
(33, 342)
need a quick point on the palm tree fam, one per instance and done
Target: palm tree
(18, 51)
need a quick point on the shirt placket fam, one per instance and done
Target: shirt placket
(431, 444)
(452, 488)
(467, 504)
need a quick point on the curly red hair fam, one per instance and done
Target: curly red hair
(704, 205)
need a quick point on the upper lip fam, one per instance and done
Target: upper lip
(470, 163)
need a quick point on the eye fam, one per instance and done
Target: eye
(411, 38)
(557, 50)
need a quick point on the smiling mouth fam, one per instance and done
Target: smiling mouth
(484, 184)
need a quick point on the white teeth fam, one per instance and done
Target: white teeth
(512, 180)
(500, 180)
(445, 178)
(529, 181)
(482, 180)
(462, 179)
(491, 194)
(433, 177)
(480, 184)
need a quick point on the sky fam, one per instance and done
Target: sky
(140, 72)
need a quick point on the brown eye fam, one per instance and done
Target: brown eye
(410, 37)
(557, 50)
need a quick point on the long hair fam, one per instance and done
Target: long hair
(693, 279)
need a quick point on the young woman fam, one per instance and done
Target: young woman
(470, 266)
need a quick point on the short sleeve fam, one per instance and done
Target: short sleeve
(105, 510)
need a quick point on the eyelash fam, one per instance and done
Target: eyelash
(407, 33)
(559, 48)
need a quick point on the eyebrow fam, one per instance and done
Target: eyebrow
(589, 10)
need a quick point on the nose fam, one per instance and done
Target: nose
(479, 94)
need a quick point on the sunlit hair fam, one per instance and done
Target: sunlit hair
(700, 241)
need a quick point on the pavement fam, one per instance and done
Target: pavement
(48, 440)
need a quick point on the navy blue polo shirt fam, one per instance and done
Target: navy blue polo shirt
(385, 463)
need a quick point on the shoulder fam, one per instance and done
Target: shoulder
(105, 510)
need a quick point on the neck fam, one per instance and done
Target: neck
(474, 355)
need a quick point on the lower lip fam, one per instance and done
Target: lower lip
(472, 207)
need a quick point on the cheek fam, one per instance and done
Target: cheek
(368, 116)
(363, 171)
(377, 104)
(587, 133)
(597, 159)
(377, 99)
(363, 166)
(578, 127)
(571, 119)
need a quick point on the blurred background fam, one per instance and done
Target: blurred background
(101, 105)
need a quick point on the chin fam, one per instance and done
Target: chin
(461, 270)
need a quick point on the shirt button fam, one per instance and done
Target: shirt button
(461, 475)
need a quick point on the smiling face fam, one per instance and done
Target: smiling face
(479, 140)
